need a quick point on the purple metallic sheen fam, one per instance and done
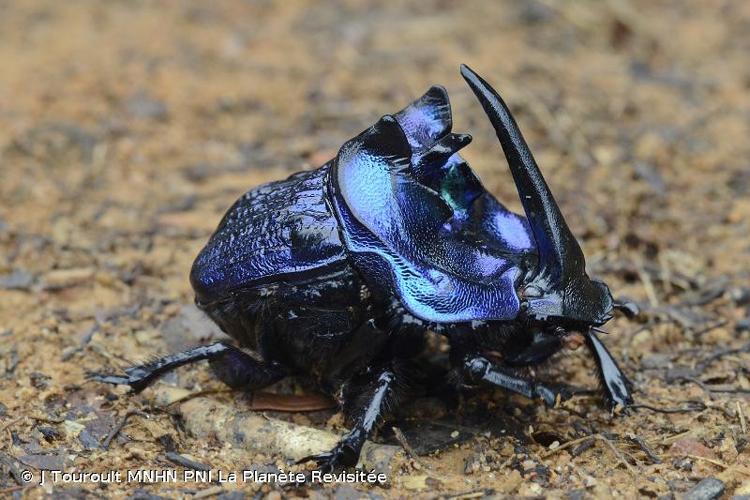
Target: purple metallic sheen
(276, 229)
(427, 119)
(395, 230)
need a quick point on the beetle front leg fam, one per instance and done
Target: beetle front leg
(477, 368)
(614, 382)
(377, 397)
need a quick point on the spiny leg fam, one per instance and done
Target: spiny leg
(377, 397)
(230, 363)
(614, 382)
(480, 369)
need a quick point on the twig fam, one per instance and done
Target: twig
(706, 295)
(743, 425)
(665, 274)
(644, 447)
(178, 459)
(568, 445)
(721, 353)
(720, 389)
(677, 280)
(583, 447)
(7, 426)
(209, 492)
(10, 463)
(717, 463)
(14, 421)
(694, 406)
(468, 495)
(114, 432)
(598, 437)
(404, 443)
(14, 488)
(617, 453)
(675, 437)
(648, 286)
(401, 438)
(47, 419)
(704, 459)
(712, 326)
(697, 382)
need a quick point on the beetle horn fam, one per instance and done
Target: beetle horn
(560, 256)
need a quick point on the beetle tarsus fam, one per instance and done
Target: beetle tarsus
(342, 456)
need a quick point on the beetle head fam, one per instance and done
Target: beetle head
(558, 288)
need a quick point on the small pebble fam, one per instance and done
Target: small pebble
(17, 280)
(740, 296)
(528, 465)
(708, 489)
(142, 105)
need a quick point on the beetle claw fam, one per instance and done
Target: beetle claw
(340, 457)
(552, 396)
(324, 461)
(618, 406)
(136, 384)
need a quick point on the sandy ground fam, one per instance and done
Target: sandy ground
(128, 128)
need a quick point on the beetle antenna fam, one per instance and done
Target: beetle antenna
(599, 330)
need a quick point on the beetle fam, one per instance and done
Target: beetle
(337, 274)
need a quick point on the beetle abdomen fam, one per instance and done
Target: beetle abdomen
(275, 230)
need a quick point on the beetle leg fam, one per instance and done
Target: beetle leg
(239, 370)
(614, 382)
(378, 397)
(233, 366)
(480, 369)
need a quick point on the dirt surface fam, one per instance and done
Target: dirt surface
(128, 128)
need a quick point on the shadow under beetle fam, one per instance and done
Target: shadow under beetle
(336, 274)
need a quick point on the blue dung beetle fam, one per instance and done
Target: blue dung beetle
(337, 274)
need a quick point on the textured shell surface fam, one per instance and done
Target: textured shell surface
(275, 230)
